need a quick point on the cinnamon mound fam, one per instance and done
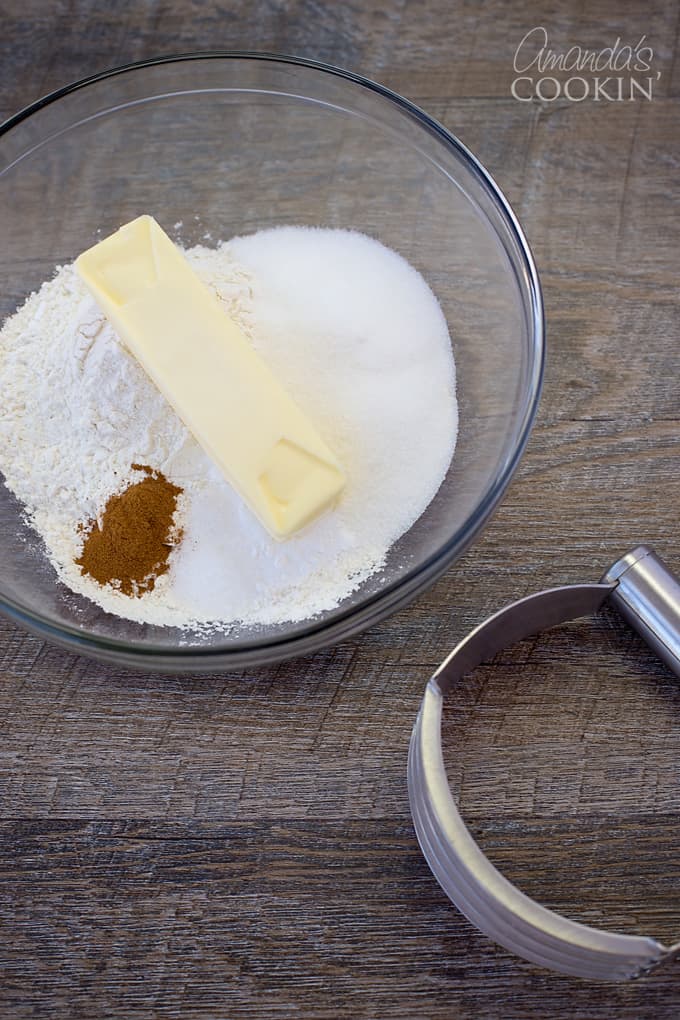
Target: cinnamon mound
(130, 547)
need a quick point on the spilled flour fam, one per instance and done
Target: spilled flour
(350, 329)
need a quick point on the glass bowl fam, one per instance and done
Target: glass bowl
(231, 143)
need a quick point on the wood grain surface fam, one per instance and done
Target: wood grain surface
(241, 845)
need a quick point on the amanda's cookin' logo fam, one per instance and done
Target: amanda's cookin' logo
(618, 73)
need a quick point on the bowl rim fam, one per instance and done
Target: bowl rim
(397, 594)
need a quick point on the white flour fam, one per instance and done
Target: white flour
(349, 328)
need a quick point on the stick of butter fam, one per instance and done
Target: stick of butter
(206, 368)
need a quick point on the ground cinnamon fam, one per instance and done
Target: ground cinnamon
(129, 547)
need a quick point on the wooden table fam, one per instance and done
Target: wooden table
(241, 846)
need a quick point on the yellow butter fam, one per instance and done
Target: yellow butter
(206, 368)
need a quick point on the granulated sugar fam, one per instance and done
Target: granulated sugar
(349, 328)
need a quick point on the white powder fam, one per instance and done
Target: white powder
(349, 328)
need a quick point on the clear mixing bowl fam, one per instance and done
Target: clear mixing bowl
(230, 143)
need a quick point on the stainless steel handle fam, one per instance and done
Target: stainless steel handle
(647, 595)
